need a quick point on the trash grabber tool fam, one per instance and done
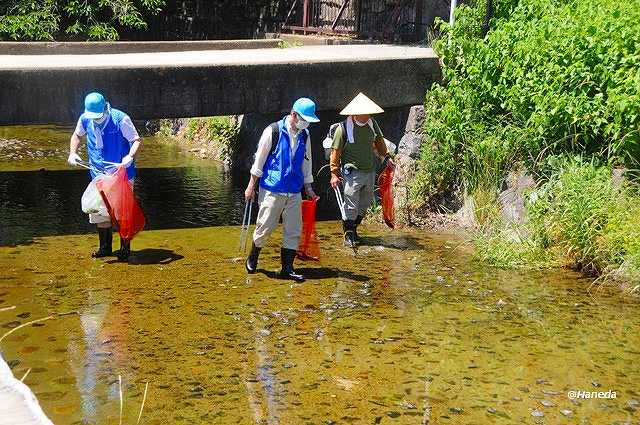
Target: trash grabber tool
(343, 213)
(246, 221)
(88, 166)
(340, 201)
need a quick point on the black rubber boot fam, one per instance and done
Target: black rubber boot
(125, 250)
(287, 256)
(356, 223)
(252, 260)
(349, 236)
(105, 249)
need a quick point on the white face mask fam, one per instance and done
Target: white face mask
(101, 120)
(302, 124)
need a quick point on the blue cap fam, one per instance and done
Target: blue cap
(306, 108)
(94, 105)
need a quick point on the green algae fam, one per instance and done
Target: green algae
(410, 324)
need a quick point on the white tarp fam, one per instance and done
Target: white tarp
(18, 405)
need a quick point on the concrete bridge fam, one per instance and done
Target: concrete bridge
(37, 87)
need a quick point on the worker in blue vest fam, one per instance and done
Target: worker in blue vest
(283, 167)
(111, 137)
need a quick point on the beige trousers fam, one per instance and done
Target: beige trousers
(272, 207)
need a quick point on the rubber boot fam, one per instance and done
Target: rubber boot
(125, 250)
(356, 223)
(105, 249)
(348, 228)
(252, 260)
(287, 256)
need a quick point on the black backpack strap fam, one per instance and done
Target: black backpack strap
(275, 136)
(345, 138)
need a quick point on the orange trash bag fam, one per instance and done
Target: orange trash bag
(385, 184)
(124, 210)
(309, 247)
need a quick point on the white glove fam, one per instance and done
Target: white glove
(127, 161)
(74, 158)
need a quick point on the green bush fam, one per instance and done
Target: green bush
(36, 20)
(582, 211)
(580, 215)
(549, 78)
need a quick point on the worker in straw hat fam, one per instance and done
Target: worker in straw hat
(282, 167)
(352, 160)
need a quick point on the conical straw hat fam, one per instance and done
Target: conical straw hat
(361, 105)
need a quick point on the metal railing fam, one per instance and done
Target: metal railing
(379, 19)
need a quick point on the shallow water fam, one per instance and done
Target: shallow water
(40, 193)
(365, 340)
(410, 328)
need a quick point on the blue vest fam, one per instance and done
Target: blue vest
(114, 145)
(282, 171)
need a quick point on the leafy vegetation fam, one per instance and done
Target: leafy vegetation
(550, 81)
(218, 136)
(582, 216)
(548, 78)
(45, 20)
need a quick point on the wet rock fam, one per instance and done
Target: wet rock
(264, 332)
(547, 403)
(407, 405)
(24, 315)
(393, 414)
(541, 381)
(634, 404)
(551, 392)
(596, 384)
(11, 325)
(537, 414)
(566, 412)
(500, 303)
(457, 410)
(492, 410)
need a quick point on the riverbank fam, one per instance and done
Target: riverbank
(214, 138)
(555, 120)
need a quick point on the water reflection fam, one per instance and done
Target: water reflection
(47, 203)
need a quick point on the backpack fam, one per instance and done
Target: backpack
(328, 141)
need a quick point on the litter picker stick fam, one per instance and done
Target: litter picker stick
(88, 166)
(246, 221)
(340, 200)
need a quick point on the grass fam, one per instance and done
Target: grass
(579, 216)
(218, 135)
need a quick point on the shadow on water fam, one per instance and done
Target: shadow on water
(319, 273)
(47, 203)
(149, 256)
(393, 241)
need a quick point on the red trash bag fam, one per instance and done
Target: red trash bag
(124, 210)
(385, 184)
(309, 247)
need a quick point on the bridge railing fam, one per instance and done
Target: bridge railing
(376, 19)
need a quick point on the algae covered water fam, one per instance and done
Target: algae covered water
(411, 331)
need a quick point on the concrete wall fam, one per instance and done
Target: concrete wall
(116, 47)
(48, 96)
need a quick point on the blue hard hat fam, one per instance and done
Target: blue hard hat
(94, 105)
(306, 108)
